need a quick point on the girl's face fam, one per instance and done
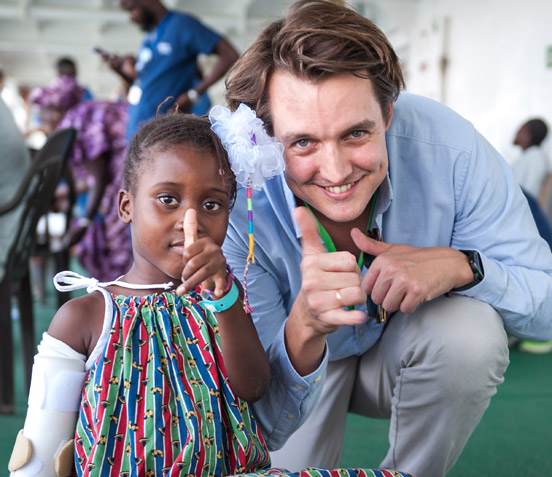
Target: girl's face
(171, 182)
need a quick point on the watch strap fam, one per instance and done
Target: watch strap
(474, 260)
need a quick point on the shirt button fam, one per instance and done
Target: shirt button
(318, 379)
(301, 388)
(290, 416)
(361, 331)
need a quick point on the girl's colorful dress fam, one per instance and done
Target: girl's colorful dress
(157, 400)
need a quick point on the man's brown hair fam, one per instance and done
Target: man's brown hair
(315, 40)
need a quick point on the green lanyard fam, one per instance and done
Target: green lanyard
(328, 242)
(373, 310)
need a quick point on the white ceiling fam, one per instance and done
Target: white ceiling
(34, 33)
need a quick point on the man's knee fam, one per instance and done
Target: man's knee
(453, 348)
(467, 341)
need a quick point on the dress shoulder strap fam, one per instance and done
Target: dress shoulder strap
(69, 281)
(75, 281)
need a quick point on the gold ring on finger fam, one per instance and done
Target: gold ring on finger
(339, 298)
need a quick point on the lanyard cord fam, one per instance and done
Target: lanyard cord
(328, 242)
(379, 312)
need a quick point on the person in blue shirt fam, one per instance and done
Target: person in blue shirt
(166, 64)
(395, 245)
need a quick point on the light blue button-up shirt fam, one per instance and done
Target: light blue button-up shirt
(446, 186)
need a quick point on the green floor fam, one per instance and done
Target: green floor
(513, 439)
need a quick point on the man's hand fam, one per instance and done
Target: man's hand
(331, 281)
(183, 104)
(115, 62)
(203, 260)
(401, 277)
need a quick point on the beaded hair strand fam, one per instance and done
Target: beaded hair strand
(254, 157)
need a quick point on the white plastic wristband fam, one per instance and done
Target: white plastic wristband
(224, 303)
(193, 96)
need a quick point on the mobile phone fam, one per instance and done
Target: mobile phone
(101, 51)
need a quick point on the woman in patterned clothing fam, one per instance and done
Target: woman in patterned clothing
(96, 161)
(167, 376)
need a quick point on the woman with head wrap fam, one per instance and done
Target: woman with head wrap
(96, 160)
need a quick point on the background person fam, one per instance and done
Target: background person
(532, 167)
(166, 64)
(96, 161)
(533, 173)
(461, 258)
(67, 66)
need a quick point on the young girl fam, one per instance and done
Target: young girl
(158, 398)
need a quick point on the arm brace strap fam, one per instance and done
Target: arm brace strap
(54, 400)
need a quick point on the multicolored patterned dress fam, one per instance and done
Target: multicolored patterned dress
(157, 401)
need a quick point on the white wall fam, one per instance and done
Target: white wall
(34, 34)
(497, 73)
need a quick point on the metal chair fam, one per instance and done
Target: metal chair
(35, 193)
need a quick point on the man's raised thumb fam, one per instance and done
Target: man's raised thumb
(310, 241)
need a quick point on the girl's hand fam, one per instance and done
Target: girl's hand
(204, 262)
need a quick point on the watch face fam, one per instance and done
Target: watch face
(475, 265)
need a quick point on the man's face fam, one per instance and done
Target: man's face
(334, 138)
(139, 13)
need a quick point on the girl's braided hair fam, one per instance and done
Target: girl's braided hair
(160, 133)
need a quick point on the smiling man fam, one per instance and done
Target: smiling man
(395, 245)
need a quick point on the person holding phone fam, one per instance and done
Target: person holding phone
(125, 66)
(166, 65)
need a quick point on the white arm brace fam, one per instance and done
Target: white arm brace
(54, 399)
